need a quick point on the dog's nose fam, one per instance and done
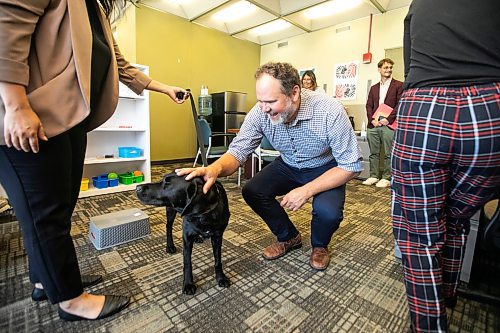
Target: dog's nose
(138, 189)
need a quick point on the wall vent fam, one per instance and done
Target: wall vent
(282, 44)
(343, 29)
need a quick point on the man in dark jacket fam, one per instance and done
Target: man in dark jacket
(380, 131)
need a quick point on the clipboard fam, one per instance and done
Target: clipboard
(385, 110)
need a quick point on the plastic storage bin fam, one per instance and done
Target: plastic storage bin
(129, 152)
(100, 181)
(129, 178)
(84, 186)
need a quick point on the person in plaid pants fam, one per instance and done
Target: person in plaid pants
(446, 154)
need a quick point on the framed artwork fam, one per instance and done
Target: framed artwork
(345, 80)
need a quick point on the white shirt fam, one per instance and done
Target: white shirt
(384, 87)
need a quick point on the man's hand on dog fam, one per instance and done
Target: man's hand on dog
(209, 175)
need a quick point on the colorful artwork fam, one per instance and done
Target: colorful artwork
(345, 80)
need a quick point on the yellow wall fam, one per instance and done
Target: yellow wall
(188, 55)
(124, 33)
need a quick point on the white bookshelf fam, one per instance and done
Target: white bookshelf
(128, 127)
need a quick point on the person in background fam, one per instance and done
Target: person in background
(51, 96)
(446, 155)
(319, 154)
(309, 82)
(388, 91)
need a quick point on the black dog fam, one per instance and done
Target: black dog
(204, 216)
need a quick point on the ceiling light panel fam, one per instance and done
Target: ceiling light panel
(235, 16)
(288, 6)
(262, 36)
(330, 7)
(270, 27)
(363, 9)
(234, 12)
(187, 9)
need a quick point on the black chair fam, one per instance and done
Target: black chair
(484, 285)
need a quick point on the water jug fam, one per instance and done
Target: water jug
(204, 102)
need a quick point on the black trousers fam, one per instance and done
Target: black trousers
(278, 179)
(43, 189)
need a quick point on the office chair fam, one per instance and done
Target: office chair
(484, 287)
(207, 134)
(264, 153)
(213, 151)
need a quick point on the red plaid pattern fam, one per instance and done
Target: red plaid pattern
(445, 166)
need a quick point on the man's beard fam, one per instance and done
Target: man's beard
(284, 116)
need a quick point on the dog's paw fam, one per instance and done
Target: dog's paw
(189, 289)
(224, 282)
(171, 249)
(199, 239)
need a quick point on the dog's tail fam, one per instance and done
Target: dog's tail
(223, 195)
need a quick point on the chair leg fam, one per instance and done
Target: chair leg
(239, 176)
(253, 165)
(196, 159)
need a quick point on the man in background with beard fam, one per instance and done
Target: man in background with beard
(319, 155)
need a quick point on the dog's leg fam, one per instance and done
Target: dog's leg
(188, 288)
(220, 277)
(171, 213)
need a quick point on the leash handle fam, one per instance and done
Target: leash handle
(201, 144)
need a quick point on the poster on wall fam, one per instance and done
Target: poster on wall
(345, 80)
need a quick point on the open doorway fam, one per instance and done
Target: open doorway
(398, 70)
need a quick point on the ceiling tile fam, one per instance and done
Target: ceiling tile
(202, 11)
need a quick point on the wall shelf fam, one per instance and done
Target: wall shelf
(95, 160)
(99, 191)
(128, 127)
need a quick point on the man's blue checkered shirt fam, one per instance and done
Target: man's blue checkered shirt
(320, 133)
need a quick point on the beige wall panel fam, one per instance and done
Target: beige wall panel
(325, 48)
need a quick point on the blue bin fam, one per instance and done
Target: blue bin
(100, 181)
(113, 182)
(129, 152)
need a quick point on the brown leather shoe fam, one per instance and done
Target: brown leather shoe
(319, 258)
(279, 249)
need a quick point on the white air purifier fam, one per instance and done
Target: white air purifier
(117, 228)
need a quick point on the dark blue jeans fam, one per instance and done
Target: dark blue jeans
(277, 179)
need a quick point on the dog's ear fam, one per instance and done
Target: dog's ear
(197, 202)
(191, 194)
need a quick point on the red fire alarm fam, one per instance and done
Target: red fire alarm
(367, 58)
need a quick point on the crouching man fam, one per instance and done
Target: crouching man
(319, 155)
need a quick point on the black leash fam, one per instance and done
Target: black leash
(201, 144)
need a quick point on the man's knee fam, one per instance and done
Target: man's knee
(250, 190)
(329, 215)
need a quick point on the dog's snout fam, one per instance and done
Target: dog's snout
(138, 189)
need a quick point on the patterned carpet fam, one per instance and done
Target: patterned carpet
(361, 291)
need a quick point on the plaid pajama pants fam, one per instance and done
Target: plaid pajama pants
(445, 166)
